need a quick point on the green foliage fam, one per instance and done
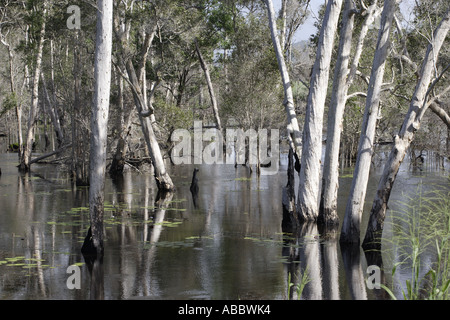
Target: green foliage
(9, 102)
(300, 286)
(423, 228)
(172, 117)
(255, 94)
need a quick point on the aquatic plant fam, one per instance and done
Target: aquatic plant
(423, 226)
(304, 279)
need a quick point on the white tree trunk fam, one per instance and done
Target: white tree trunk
(212, 94)
(308, 195)
(163, 180)
(99, 120)
(293, 127)
(28, 148)
(146, 116)
(53, 113)
(350, 232)
(330, 177)
(403, 140)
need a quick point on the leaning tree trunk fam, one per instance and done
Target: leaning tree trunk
(24, 165)
(163, 180)
(52, 111)
(293, 127)
(99, 121)
(350, 232)
(403, 140)
(308, 194)
(210, 87)
(330, 178)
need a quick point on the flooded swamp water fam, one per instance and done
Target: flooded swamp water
(229, 245)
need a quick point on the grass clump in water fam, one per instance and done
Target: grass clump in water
(422, 230)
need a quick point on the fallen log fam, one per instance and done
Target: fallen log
(47, 155)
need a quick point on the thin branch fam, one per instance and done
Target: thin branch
(356, 94)
(437, 110)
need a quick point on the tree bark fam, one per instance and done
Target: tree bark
(437, 110)
(123, 130)
(330, 177)
(24, 165)
(18, 106)
(402, 141)
(99, 121)
(78, 162)
(308, 195)
(53, 113)
(163, 180)
(343, 78)
(293, 127)
(210, 87)
(350, 232)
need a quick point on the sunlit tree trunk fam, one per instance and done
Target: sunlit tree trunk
(330, 177)
(308, 195)
(99, 120)
(24, 165)
(293, 127)
(210, 87)
(350, 232)
(402, 141)
(344, 75)
(145, 112)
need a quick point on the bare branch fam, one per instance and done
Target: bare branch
(437, 110)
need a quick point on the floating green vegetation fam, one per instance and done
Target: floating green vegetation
(243, 179)
(188, 242)
(264, 241)
(62, 190)
(169, 224)
(22, 261)
(78, 264)
(176, 209)
(170, 244)
(177, 201)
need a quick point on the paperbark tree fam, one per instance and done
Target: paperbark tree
(308, 195)
(344, 75)
(52, 111)
(15, 93)
(293, 127)
(210, 86)
(163, 180)
(123, 127)
(99, 121)
(24, 165)
(350, 232)
(330, 177)
(402, 140)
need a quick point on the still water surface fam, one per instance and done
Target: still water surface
(229, 245)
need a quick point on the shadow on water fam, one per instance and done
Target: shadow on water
(222, 240)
